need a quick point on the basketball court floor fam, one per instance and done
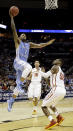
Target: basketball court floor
(21, 119)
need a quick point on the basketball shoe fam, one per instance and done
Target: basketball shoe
(52, 124)
(59, 119)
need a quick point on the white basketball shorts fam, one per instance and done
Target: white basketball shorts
(34, 90)
(54, 96)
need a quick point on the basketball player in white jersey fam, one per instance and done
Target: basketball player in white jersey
(22, 67)
(56, 94)
(34, 89)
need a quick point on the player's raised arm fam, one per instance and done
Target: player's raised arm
(14, 30)
(33, 45)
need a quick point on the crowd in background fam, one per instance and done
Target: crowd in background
(7, 55)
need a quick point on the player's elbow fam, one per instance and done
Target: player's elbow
(38, 46)
(22, 79)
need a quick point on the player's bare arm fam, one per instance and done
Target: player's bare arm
(33, 45)
(46, 75)
(16, 40)
(29, 77)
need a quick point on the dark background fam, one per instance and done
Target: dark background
(63, 4)
(33, 14)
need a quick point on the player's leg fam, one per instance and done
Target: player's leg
(18, 89)
(47, 103)
(35, 103)
(50, 117)
(59, 95)
(19, 67)
(26, 71)
(18, 76)
(58, 115)
(36, 94)
(12, 99)
(30, 92)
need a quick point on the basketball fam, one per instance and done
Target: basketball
(14, 11)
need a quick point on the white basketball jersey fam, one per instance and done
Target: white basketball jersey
(57, 79)
(36, 75)
(22, 52)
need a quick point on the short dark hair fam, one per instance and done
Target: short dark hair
(57, 62)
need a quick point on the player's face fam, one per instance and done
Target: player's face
(37, 64)
(23, 37)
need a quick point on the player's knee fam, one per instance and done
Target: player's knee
(22, 79)
(15, 92)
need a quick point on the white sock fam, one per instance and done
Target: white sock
(56, 113)
(50, 118)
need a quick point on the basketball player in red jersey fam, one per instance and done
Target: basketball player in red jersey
(56, 94)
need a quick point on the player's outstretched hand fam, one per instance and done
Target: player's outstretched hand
(10, 13)
(53, 40)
